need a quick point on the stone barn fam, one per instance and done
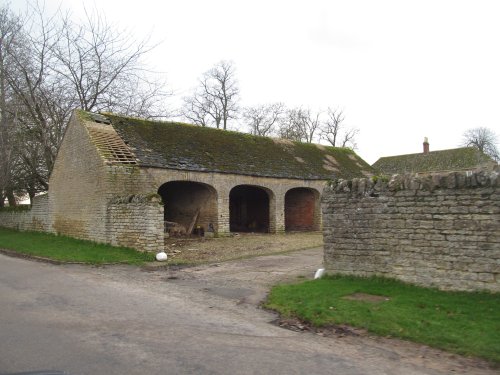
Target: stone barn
(127, 181)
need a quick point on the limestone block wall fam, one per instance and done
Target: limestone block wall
(435, 230)
(78, 187)
(135, 222)
(35, 218)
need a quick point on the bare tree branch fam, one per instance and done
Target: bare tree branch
(54, 66)
(484, 139)
(104, 67)
(215, 100)
(300, 125)
(349, 138)
(262, 119)
(331, 127)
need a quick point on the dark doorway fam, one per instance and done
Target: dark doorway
(248, 209)
(191, 205)
(300, 210)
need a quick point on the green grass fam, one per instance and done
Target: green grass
(67, 249)
(460, 322)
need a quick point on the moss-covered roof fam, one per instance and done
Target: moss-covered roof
(188, 147)
(444, 160)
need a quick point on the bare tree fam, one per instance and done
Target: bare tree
(289, 127)
(311, 123)
(10, 32)
(43, 107)
(484, 139)
(262, 119)
(54, 66)
(334, 132)
(103, 68)
(349, 138)
(199, 110)
(215, 100)
(300, 124)
(331, 126)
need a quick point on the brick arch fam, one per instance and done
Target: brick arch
(189, 201)
(302, 210)
(251, 209)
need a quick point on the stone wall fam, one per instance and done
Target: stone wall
(35, 218)
(78, 186)
(435, 230)
(135, 222)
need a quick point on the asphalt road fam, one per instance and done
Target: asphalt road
(203, 320)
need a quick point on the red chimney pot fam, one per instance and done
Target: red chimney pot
(426, 145)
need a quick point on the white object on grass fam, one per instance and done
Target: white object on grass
(161, 256)
(319, 273)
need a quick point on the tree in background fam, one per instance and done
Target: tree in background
(334, 132)
(299, 124)
(50, 65)
(102, 68)
(215, 100)
(263, 119)
(484, 139)
(305, 125)
(10, 31)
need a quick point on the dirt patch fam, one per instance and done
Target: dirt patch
(338, 331)
(208, 250)
(364, 297)
(405, 351)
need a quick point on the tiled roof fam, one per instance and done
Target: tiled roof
(444, 160)
(180, 146)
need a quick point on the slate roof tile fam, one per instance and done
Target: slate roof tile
(181, 146)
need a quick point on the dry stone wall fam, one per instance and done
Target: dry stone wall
(136, 222)
(35, 218)
(434, 230)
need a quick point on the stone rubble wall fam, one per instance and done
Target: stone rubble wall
(439, 230)
(135, 222)
(35, 218)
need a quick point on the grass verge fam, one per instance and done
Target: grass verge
(461, 322)
(67, 249)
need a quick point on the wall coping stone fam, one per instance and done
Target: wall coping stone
(423, 182)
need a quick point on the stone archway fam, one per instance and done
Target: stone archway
(249, 209)
(189, 204)
(302, 210)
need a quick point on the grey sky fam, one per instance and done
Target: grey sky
(401, 70)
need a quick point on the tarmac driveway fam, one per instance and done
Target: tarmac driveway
(199, 320)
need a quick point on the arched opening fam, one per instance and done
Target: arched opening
(301, 210)
(190, 207)
(249, 209)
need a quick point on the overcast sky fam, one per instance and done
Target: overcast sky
(401, 70)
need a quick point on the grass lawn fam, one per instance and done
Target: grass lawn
(460, 322)
(68, 249)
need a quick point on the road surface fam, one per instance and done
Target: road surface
(200, 320)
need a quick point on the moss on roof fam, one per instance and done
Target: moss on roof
(444, 160)
(181, 146)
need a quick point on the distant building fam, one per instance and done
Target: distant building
(456, 159)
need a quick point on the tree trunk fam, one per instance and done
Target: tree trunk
(11, 198)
